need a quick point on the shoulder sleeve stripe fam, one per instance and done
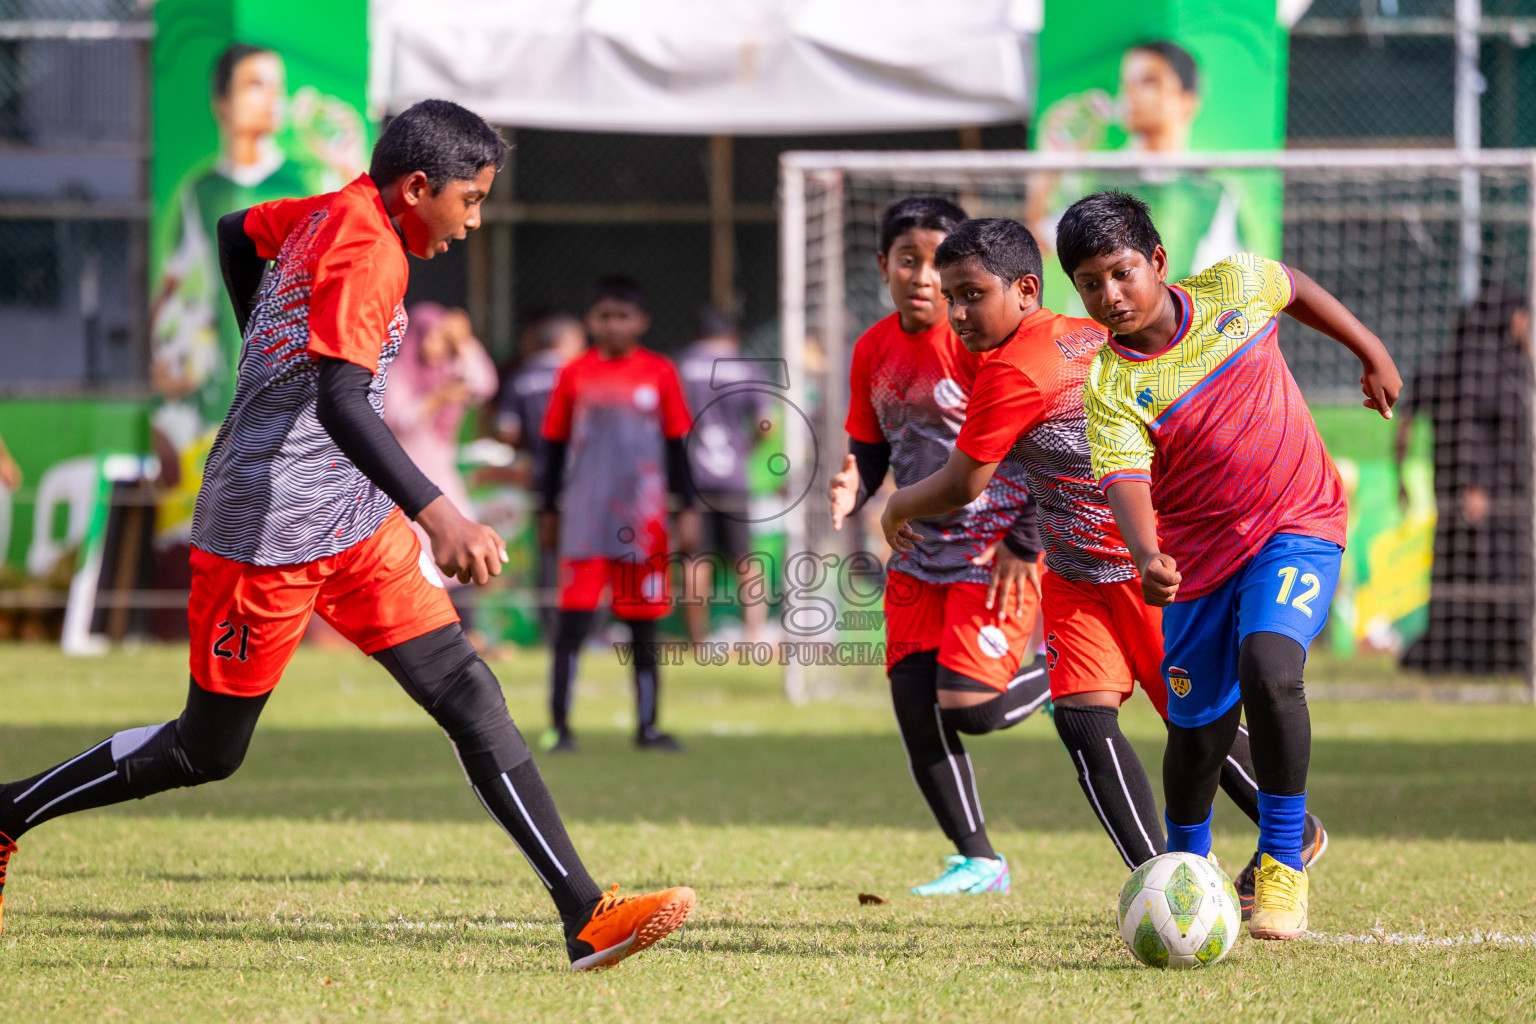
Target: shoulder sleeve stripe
(1121, 476)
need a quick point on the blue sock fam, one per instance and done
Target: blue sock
(1195, 839)
(1281, 821)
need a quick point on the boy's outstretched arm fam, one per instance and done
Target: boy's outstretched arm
(1131, 502)
(954, 486)
(1379, 380)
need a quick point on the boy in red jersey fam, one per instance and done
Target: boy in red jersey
(957, 631)
(1230, 506)
(1027, 409)
(300, 512)
(614, 430)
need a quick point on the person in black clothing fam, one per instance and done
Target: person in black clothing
(1477, 394)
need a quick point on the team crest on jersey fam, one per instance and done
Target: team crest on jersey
(1233, 324)
(948, 394)
(992, 641)
(1178, 681)
(646, 398)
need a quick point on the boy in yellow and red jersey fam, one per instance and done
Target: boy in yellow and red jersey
(1231, 508)
(302, 511)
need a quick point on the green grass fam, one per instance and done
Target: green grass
(346, 872)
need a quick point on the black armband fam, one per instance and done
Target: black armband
(873, 459)
(1023, 537)
(553, 478)
(345, 413)
(240, 264)
(679, 481)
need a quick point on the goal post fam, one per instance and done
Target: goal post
(1427, 247)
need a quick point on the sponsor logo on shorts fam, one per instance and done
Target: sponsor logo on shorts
(646, 398)
(1178, 681)
(948, 394)
(429, 571)
(992, 641)
(1233, 324)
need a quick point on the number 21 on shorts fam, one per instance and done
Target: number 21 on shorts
(1303, 601)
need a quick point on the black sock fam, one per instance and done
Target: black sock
(570, 633)
(1237, 778)
(441, 672)
(647, 681)
(206, 743)
(1269, 669)
(1113, 779)
(520, 802)
(1027, 692)
(1192, 766)
(937, 758)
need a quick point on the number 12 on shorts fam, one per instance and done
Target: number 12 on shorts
(1303, 601)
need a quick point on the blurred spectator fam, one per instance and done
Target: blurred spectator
(440, 373)
(1477, 394)
(10, 473)
(548, 342)
(728, 419)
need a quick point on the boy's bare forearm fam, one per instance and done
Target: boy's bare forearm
(1131, 503)
(954, 486)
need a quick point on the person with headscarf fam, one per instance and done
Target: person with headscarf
(442, 372)
(1477, 395)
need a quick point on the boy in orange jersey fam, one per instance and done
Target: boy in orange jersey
(1027, 409)
(959, 606)
(302, 511)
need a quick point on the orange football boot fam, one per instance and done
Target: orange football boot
(6, 849)
(621, 926)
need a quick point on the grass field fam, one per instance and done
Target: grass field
(346, 872)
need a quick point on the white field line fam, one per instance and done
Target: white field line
(1383, 938)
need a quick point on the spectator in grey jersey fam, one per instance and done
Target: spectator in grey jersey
(549, 341)
(728, 419)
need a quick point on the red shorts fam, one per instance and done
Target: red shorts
(247, 620)
(953, 617)
(1103, 636)
(638, 588)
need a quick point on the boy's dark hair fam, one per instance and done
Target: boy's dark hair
(1178, 58)
(617, 287)
(1102, 223)
(714, 322)
(929, 213)
(439, 138)
(1005, 247)
(224, 67)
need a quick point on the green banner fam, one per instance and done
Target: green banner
(254, 100)
(1164, 76)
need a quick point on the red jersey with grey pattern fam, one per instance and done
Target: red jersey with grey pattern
(276, 489)
(617, 415)
(913, 391)
(1027, 408)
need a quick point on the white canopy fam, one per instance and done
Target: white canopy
(731, 67)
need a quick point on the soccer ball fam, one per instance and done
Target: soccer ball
(1178, 910)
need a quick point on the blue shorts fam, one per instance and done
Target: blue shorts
(1286, 588)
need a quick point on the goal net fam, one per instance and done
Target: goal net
(1431, 250)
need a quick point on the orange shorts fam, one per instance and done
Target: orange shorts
(953, 617)
(1103, 636)
(247, 620)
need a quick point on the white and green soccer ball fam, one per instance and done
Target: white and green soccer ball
(1178, 910)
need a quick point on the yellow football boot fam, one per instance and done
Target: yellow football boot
(1279, 901)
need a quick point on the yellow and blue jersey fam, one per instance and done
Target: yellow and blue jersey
(1216, 424)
